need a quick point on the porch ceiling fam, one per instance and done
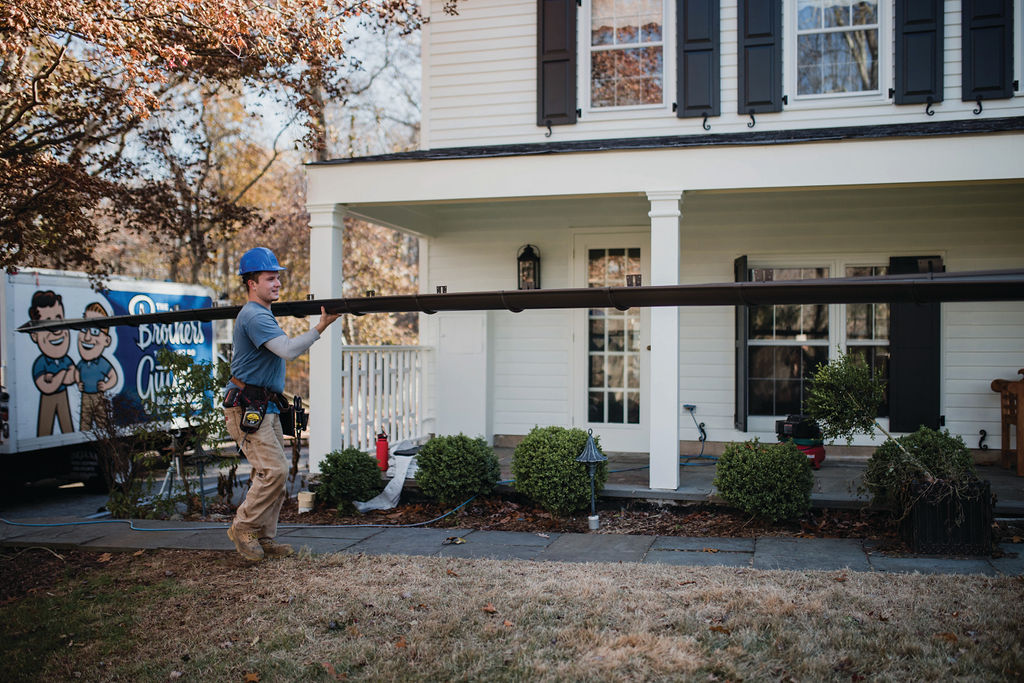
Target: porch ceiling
(432, 218)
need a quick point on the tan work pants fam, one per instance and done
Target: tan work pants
(264, 449)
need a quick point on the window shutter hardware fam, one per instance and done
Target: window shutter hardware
(785, 99)
(979, 109)
(892, 93)
(705, 125)
(753, 121)
(579, 113)
(1016, 86)
(675, 106)
(928, 107)
(548, 124)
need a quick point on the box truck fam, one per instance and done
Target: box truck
(51, 383)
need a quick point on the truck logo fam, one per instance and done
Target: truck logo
(183, 333)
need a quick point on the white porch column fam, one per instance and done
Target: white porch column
(663, 402)
(326, 227)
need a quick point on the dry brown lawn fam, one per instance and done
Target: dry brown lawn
(209, 616)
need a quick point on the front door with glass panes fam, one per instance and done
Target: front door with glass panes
(611, 346)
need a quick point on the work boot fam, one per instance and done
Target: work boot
(272, 548)
(246, 544)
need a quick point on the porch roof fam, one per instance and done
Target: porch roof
(428, 195)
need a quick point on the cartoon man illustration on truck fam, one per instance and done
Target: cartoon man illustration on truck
(53, 370)
(95, 373)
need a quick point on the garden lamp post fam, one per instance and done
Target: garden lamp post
(591, 455)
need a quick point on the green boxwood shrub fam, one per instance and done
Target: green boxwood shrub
(454, 468)
(545, 469)
(772, 481)
(927, 456)
(348, 475)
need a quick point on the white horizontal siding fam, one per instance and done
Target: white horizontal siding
(531, 370)
(529, 351)
(480, 69)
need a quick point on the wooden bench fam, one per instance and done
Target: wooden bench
(1011, 396)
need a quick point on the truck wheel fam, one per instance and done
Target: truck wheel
(85, 466)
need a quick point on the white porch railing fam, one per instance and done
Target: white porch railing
(381, 387)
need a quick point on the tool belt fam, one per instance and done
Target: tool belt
(254, 400)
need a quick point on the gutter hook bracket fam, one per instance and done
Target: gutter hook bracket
(424, 309)
(506, 304)
(611, 300)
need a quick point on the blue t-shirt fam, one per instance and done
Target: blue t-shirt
(45, 365)
(91, 372)
(250, 362)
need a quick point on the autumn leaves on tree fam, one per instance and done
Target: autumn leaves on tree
(135, 121)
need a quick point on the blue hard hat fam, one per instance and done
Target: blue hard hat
(257, 260)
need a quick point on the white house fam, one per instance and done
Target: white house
(695, 141)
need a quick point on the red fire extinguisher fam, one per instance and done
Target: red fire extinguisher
(382, 450)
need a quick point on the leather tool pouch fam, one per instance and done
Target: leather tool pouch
(231, 398)
(254, 408)
(287, 415)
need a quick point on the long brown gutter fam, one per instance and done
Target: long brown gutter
(1005, 285)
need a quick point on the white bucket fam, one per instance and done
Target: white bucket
(306, 501)
(594, 522)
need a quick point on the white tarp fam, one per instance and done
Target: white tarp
(388, 498)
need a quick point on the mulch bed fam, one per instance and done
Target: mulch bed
(500, 513)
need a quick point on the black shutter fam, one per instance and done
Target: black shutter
(698, 49)
(914, 360)
(556, 62)
(760, 55)
(987, 49)
(741, 275)
(919, 29)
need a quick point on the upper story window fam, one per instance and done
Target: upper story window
(836, 48)
(626, 53)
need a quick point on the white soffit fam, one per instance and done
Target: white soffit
(819, 164)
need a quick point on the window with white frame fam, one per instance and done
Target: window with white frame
(834, 46)
(626, 53)
(867, 331)
(785, 343)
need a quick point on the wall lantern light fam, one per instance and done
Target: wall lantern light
(528, 262)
